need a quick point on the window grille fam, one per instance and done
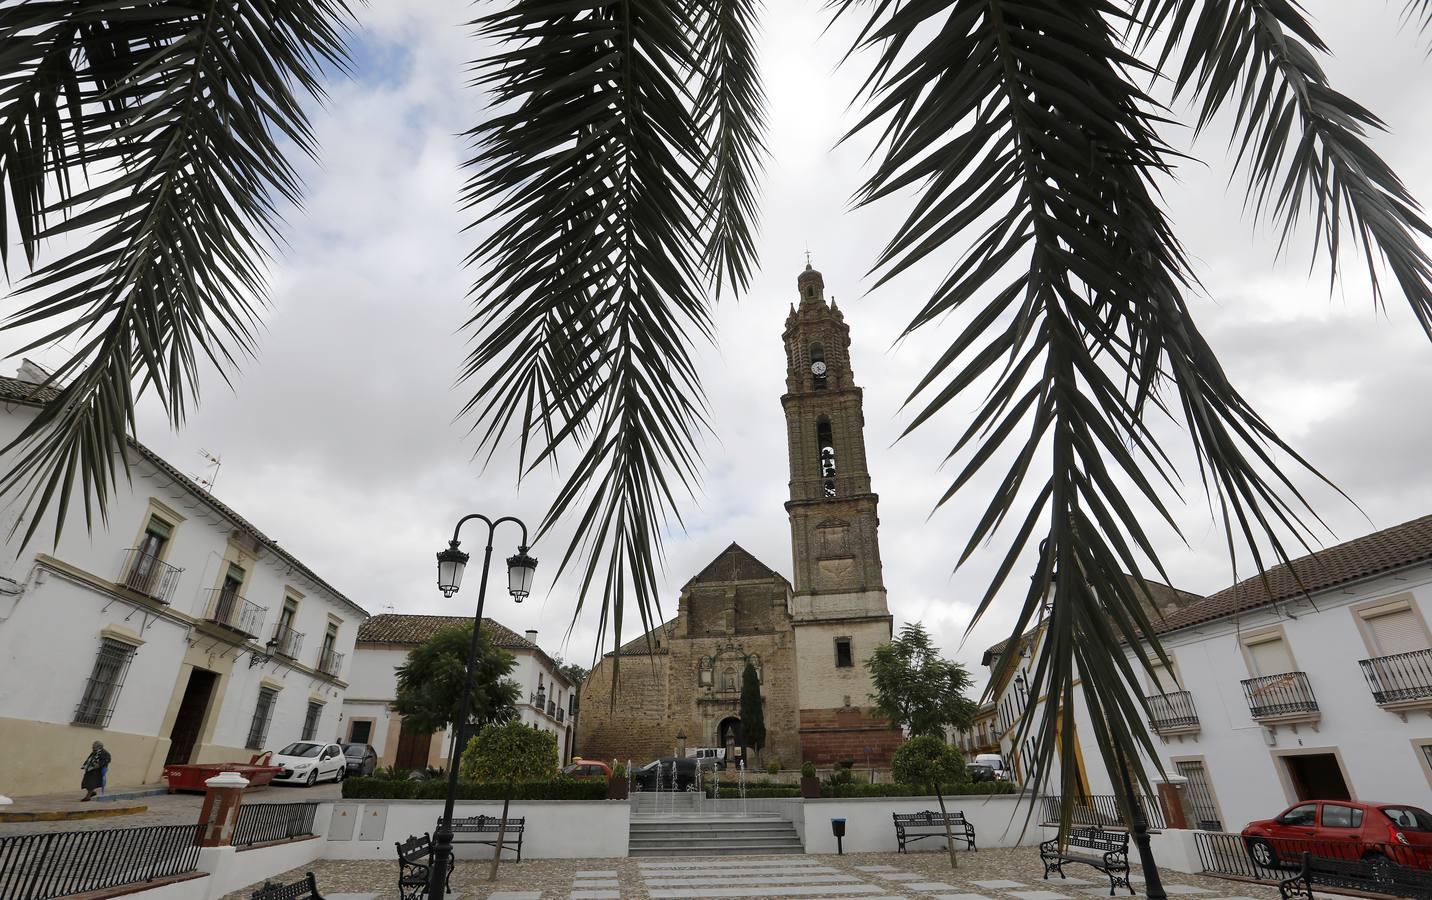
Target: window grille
(310, 721)
(102, 690)
(263, 714)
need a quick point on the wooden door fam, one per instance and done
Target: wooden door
(413, 748)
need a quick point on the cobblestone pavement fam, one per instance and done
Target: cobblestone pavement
(1005, 874)
(163, 809)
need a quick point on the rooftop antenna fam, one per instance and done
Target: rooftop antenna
(214, 463)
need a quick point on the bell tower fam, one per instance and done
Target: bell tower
(838, 606)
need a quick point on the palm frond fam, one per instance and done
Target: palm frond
(1301, 142)
(1018, 127)
(174, 115)
(614, 178)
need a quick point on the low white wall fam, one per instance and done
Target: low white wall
(188, 889)
(554, 828)
(999, 821)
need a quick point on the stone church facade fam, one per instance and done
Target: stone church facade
(809, 640)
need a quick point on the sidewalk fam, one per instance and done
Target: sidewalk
(128, 807)
(66, 806)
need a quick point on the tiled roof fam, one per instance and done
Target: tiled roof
(1373, 554)
(411, 630)
(735, 564)
(16, 391)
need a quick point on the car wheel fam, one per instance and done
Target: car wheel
(340, 774)
(1262, 854)
(312, 777)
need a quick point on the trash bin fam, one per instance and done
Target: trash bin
(837, 828)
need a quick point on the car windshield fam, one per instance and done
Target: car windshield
(568, 770)
(301, 748)
(355, 749)
(1409, 818)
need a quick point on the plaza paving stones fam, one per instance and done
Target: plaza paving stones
(855, 876)
(1038, 895)
(1184, 889)
(900, 876)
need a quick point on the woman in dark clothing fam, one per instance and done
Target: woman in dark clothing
(94, 767)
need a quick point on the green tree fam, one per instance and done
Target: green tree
(928, 761)
(753, 711)
(916, 689)
(430, 682)
(508, 754)
(148, 150)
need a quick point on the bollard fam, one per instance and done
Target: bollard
(220, 812)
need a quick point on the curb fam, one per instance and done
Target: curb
(69, 815)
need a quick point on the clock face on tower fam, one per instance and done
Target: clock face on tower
(817, 368)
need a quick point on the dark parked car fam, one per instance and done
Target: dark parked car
(360, 758)
(980, 773)
(675, 773)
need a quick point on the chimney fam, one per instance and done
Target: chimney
(531, 635)
(30, 373)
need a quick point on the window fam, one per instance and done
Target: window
(1270, 656)
(286, 640)
(827, 454)
(817, 366)
(310, 721)
(844, 658)
(1300, 815)
(1394, 629)
(326, 657)
(144, 569)
(1200, 794)
(360, 732)
(102, 690)
(1164, 679)
(263, 714)
(1335, 815)
(226, 607)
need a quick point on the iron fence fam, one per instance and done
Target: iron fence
(1279, 695)
(1275, 859)
(57, 864)
(231, 609)
(1399, 677)
(1172, 711)
(144, 573)
(1102, 809)
(261, 822)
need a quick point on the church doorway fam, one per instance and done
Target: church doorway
(728, 735)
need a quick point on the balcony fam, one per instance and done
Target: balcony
(552, 708)
(561, 717)
(144, 573)
(229, 609)
(330, 663)
(1286, 697)
(1403, 679)
(287, 642)
(1172, 713)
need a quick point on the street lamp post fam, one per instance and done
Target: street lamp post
(451, 563)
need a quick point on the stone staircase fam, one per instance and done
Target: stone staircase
(725, 836)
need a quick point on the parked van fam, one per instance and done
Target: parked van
(708, 757)
(995, 762)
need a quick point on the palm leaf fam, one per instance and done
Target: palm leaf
(1302, 143)
(1019, 123)
(613, 179)
(174, 114)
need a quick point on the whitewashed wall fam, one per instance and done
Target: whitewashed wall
(554, 828)
(999, 821)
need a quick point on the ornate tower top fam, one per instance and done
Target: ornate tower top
(810, 284)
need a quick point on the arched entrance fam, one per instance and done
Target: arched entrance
(728, 735)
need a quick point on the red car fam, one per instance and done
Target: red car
(1343, 829)
(588, 770)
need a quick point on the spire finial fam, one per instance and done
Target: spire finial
(807, 256)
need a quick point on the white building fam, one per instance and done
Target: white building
(1315, 686)
(175, 631)
(547, 699)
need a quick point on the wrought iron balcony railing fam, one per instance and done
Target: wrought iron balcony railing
(229, 609)
(286, 641)
(561, 717)
(144, 573)
(330, 662)
(538, 699)
(1400, 677)
(1172, 712)
(552, 708)
(1287, 694)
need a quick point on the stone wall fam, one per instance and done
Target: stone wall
(630, 722)
(831, 735)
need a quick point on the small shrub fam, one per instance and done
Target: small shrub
(620, 771)
(773, 768)
(910, 790)
(840, 776)
(808, 769)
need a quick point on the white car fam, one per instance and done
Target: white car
(309, 762)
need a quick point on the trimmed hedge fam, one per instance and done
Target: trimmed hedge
(436, 789)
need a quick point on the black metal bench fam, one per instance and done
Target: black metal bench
(481, 826)
(912, 827)
(1107, 851)
(1375, 875)
(304, 889)
(414, 865)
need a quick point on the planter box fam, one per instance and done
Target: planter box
(810, 787)
(617, 789)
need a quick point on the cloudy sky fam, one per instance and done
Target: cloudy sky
(342, 441)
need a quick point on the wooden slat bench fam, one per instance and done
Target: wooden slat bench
(1107, 851)
(414, 863)
(485, 830)
(912, 827)
(304, 889)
